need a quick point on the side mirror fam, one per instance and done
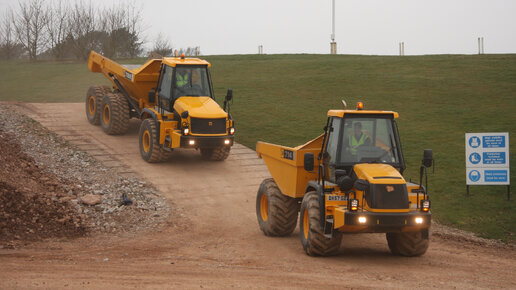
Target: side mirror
(151, 96)
(229, 95)
(427, 158)
(345, 183)
(309, 161)
(362, 184)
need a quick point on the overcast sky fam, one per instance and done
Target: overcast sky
(304, 26)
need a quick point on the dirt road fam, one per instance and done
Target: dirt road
(212, 239)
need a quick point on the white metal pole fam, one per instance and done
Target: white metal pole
(333, 44)
(333, 22)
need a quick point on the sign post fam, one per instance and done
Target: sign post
(487, 160)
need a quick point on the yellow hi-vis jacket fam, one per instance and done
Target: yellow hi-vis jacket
(181, 80)
(354, 143)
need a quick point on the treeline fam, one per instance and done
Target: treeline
(58, 29)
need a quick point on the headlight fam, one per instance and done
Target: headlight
(186, 131)
(191, 142)
(419, 220)
(231, 131)
(362, 219)
(227, 141)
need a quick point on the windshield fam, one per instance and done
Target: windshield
(362, 139)
(191, 81)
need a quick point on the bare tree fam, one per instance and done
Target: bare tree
(29, 27)
(122, 24)
(162, 46)
(9, 48)
(135, 29)
(82, 34)
(57, 14)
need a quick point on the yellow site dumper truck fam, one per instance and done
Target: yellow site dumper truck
(173, 96)
(347, 180)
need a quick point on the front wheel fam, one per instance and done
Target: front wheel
(149, 147)
(408, 244)
(312, 235)
(215, 154)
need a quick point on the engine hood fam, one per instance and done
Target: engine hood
(378, 173)
(199, 107)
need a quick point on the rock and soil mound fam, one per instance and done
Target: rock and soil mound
(50, 189)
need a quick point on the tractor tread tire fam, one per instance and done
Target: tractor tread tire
(409, 244)
(119, 114)
(215, 154)
(282, 210)
(98, 92)
(156, 153)
(316, 244)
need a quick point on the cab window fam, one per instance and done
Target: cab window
(191, 81)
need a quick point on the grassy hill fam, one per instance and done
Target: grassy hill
(284, 99)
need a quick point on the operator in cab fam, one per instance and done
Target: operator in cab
(358, 138)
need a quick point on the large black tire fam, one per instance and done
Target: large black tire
(150, 149)
(276, 212)
(215, 154)
(114, 115)
(312, 235)
(94, 98)
(408, 244)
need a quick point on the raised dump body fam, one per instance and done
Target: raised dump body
(174, 98)
(347, 180)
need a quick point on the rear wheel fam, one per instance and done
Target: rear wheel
(215, 154)
(312, 235)
(114, 117)
(94, 98)
(276, 212)
(408, 244)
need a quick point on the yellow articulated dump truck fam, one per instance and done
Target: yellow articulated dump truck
(347, 180)
(174, 99)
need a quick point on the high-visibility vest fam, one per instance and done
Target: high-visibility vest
(354, 143)
(181, 80)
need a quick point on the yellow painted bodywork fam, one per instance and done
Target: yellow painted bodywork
(340, 113)
(372, 172)
(292, 179)
(199, 107)
(174, 61)
(290, 175)
(139, 81)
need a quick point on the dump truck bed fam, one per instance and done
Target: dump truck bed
(136, 80)
(286, 164)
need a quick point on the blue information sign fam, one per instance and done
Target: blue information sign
(493, 158)
(493, 141)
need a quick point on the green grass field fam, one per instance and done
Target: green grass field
(284, 99)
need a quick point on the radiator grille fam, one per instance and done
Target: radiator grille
(388, 196)
(208, 126)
